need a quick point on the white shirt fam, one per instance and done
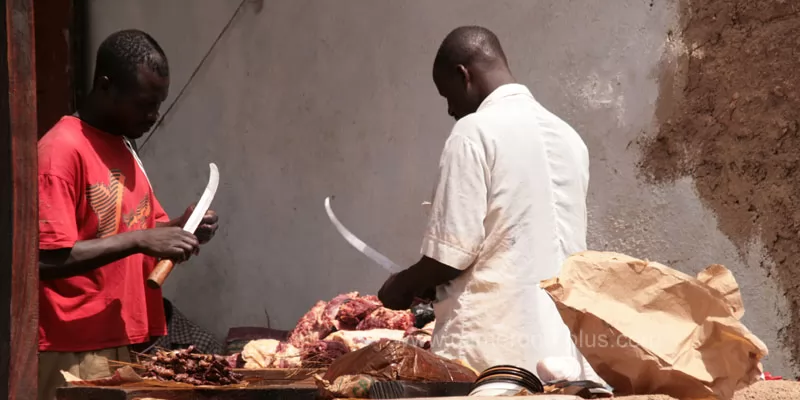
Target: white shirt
(509, 207)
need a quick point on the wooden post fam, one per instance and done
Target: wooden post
(19, 284)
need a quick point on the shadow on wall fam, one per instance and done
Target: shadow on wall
(728, 115)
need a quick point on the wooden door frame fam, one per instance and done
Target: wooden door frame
(19, 283)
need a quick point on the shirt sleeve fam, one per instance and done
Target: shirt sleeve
(455, 229)
(57, 204)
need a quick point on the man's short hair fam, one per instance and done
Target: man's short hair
(468, 44)
(120, 55)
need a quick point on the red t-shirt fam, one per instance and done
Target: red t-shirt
(90, 186)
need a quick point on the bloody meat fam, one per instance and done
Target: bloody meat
(354, 311)
(384, 318)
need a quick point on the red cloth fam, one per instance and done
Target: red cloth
(90, 186)
(770, 377)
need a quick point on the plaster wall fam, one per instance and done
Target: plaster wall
(304, 99)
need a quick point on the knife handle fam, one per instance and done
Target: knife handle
(160, 273)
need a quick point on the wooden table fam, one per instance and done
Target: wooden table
(152, 393)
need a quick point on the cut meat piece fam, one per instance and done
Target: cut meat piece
(322, 353)
(333, 307)
(270, 353)
(287, 356)
(384, 318)
(318, 322)
(347, 311)
(235, 360)
(355, 340)
(312, 326)
(259, 353)
(354, 311)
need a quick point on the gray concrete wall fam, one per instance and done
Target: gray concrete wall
(304, 99)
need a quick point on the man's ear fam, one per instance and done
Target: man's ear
(463, 74)
(102, 83)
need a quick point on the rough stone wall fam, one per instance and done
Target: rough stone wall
(729, 116)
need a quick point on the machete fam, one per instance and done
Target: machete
(362, 247)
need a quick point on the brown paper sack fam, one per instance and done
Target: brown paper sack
(648, 329)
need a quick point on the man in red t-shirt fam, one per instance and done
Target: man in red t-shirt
(101, 229)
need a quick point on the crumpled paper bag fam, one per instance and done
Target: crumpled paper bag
(389, 360)
(649, 329)
(352, 374)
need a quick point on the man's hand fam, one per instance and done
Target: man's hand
(208, 226)
(168, 242)
(395, 294)
(419, 281)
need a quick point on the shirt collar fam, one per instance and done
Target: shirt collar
(507, 90)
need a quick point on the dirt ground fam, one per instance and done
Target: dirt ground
(729, 116)
(765, 390)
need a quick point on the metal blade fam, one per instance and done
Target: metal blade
(358, 244)
(205, 200)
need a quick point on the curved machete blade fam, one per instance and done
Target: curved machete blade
(358, 244)
(205, 200)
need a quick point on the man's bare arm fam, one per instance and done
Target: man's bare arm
(88, 255)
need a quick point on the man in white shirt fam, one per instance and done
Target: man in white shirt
(509, 208)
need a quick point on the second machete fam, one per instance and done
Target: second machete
(362, 247)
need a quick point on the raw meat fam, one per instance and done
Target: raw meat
(352, 312)
(347, 312)
(269, 353)
(235, 360)
(259, 353)
(287, 356)
(333, 307)
(322, 353)
(310, 326)
(318, 322)
(384, 318)
(355, 340)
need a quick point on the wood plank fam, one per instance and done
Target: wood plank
(19, 286)
(106, 393)
(281, 376)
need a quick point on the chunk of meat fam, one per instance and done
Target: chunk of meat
(312, 326)
(355, 340)
(333, 308)
(354, 311)
(269, 353)
(287, 356)
(384, 318)
(259, 353)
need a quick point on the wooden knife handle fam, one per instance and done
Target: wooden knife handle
(160, 273)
